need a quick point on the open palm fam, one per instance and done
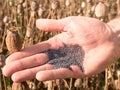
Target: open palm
(96, 38)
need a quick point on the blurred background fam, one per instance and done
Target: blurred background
(18, 30)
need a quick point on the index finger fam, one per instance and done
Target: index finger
(28, 51)
(52, 24)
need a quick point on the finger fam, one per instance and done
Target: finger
(28, 51)
(28, 74)
(52, 24)
(59, 74)
(25, 63)
(53, 74)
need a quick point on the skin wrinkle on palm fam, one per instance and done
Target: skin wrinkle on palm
(66, 56)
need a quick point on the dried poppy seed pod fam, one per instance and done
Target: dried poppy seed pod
(58, 82)
(79, 10)
(32, 85)
(34, 6)
(55, 5)
(13, 41)
(19, 86)
(118, 73)
(100, 10)
(24, 4)
(77, 83)
(19, 9)
(83, 4)
(67, 3)
(49, 85)
(11, 3)
(6, 19)
(41, 11)
(29, 32)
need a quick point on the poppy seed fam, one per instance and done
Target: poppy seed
(66, 56)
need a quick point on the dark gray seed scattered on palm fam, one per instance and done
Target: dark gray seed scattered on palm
(66, 56)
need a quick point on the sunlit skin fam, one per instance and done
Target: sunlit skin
(98, 40)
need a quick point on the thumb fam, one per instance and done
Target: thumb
(52, 24)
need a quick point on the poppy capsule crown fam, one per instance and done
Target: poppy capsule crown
(100, 10)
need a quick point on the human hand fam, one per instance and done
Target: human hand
(96, 38)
